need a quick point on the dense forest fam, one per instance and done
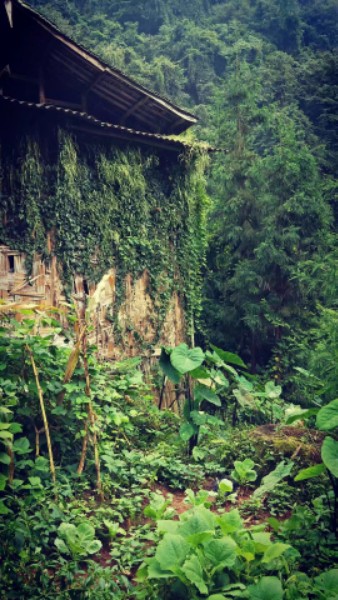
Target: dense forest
(236, 494)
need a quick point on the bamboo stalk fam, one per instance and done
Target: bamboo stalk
(44, 414)
(83, 449)
(92, 419)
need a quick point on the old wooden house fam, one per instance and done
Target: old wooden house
(97, 200)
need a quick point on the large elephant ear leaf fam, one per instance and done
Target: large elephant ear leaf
(167, 368)
(330, 455)
(185, 359)
(327, 417)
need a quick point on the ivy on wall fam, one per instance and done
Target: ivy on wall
(105, 207)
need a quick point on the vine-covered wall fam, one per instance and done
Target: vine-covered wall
(98, 208)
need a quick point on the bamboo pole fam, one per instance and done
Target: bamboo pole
(44, 414)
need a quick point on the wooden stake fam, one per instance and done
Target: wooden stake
(44, 414)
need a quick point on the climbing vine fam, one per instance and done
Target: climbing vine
(105, 207)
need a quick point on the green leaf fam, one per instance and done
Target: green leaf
(187, 430)
(34, 481)
(168, 368)
(268, 588)
(61, 546)
(301, 413)
(193, 571)
(231, 522)
(221, 553)
(5, 459)
(4, 510)
(229, 357)
(184, 359)
(21, 446)
(171, 551)
(270, 481)
(225, 486)
(199, 526)
(155, 571)
(216, 597)
(310, 472)
(3, 482)
(327, 417)
(328, 582)
(202, 392)
(200, 373)
(274, 551)
(166, 526)
(6, 436)
(330, 455)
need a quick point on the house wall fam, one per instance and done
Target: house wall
(121, 226)
(135, 317)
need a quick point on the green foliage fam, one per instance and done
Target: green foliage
(211, 554)
(243, 471)
(269, 482)
(78, 541)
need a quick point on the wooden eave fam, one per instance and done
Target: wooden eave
(82, 122)
(64, 73)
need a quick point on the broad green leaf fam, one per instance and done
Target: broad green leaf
(262, 541)
(34, 481)
(330, 455)
(4, 458)
(274, 551)
(225, 486)
(229, 357)
(155, 571)
(193, 571)
(328, 582)
(200, 373)
(301, 414)
(15, 428)
(21, 446)
(272, 390)
(202, 392)
(187, 430)
(6, 436)
(231, 521)
(199, 526)
(185, 359)
(268, 588)
(216, 597)
(168, 368)
(221, 553)
(166, 526)
(310, 472)
(171, 551)
(327, 417)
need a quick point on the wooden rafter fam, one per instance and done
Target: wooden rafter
(141, 102)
